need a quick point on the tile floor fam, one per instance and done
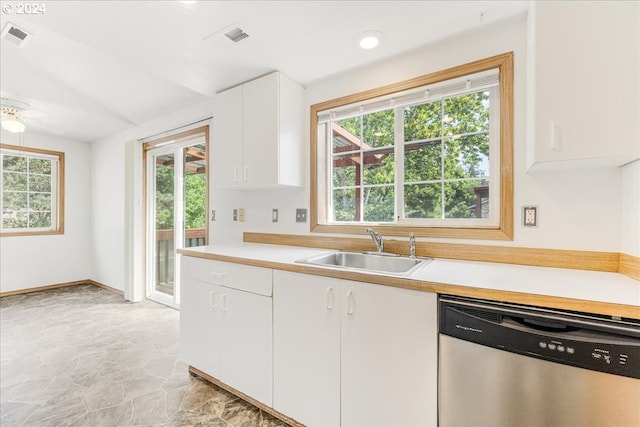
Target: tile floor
(82, 356)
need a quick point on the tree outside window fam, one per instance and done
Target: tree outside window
(32, 191)
(432, 158)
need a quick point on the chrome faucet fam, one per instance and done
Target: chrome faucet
(377, 239)
(412, 245)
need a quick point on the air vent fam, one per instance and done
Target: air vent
(481, 314)
(15, 35)
(236, 35)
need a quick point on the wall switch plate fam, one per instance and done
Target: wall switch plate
(301, 215)
(213, 215)
(530, 216)
(235, 214)
(274, 215)
(241, 216)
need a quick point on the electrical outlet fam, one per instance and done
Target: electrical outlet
(274, 215)
(301, 215)
(235, 214)
(530, 216)
(241, 215)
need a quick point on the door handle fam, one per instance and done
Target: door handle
(246, 173)
(212, 299)
(350, 303)
(223, 302)
(236, 174)
(329, 301)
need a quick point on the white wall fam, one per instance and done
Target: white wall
(114, 237)
(571, 203)
(32, 261)
(578, 209)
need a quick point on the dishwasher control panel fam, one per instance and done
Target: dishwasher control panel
(538, 334)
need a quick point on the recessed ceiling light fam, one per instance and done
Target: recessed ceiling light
(370, 39)
(187, 1)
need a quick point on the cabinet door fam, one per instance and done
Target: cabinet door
(247, 348)
(389, 356)
(226, 139)
(306, 339)
(200, 325)
(260, 116)
(566, 129)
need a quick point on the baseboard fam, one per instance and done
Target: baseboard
(106, 287)
(60, 285)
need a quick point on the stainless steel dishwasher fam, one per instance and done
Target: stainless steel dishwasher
(514, 365)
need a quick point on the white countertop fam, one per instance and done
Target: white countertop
(585, 285)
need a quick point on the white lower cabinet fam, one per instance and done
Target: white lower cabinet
(354, 354)
(200, 325)
(246, 358)
(306, 343)
(226, 324)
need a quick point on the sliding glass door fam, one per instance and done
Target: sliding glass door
(176, 193)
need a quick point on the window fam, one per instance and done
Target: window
(32, 191)
(432, 156)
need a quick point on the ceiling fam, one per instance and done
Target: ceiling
(96, 68)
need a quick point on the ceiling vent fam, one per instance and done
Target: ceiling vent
(15, 35)
(236, 35)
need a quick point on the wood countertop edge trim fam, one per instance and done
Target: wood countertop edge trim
(597, 307)
(245, 397)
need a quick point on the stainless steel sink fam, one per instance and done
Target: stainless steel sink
(368, 261)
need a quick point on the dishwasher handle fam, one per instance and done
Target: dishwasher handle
(544, 325)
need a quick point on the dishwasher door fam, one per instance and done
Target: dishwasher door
(484, 386)
(508, 365)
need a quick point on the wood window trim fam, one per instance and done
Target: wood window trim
(60, 192)
(504, 230)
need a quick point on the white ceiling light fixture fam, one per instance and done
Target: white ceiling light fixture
(14, 113)
(188, 1)
(370, 39)
(11, 123)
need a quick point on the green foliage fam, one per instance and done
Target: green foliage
(446, 157)
(14, 163)
(195, 190)
(195, 199)
(26, 195)
(164, 196)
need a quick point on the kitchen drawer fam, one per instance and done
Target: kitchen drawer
(236, 276)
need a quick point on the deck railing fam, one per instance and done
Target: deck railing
(165, 253)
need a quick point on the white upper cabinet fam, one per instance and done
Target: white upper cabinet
(226, 137)
(258, 138)
(583, 89)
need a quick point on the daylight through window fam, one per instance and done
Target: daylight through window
(431, 156)
(32, 190)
